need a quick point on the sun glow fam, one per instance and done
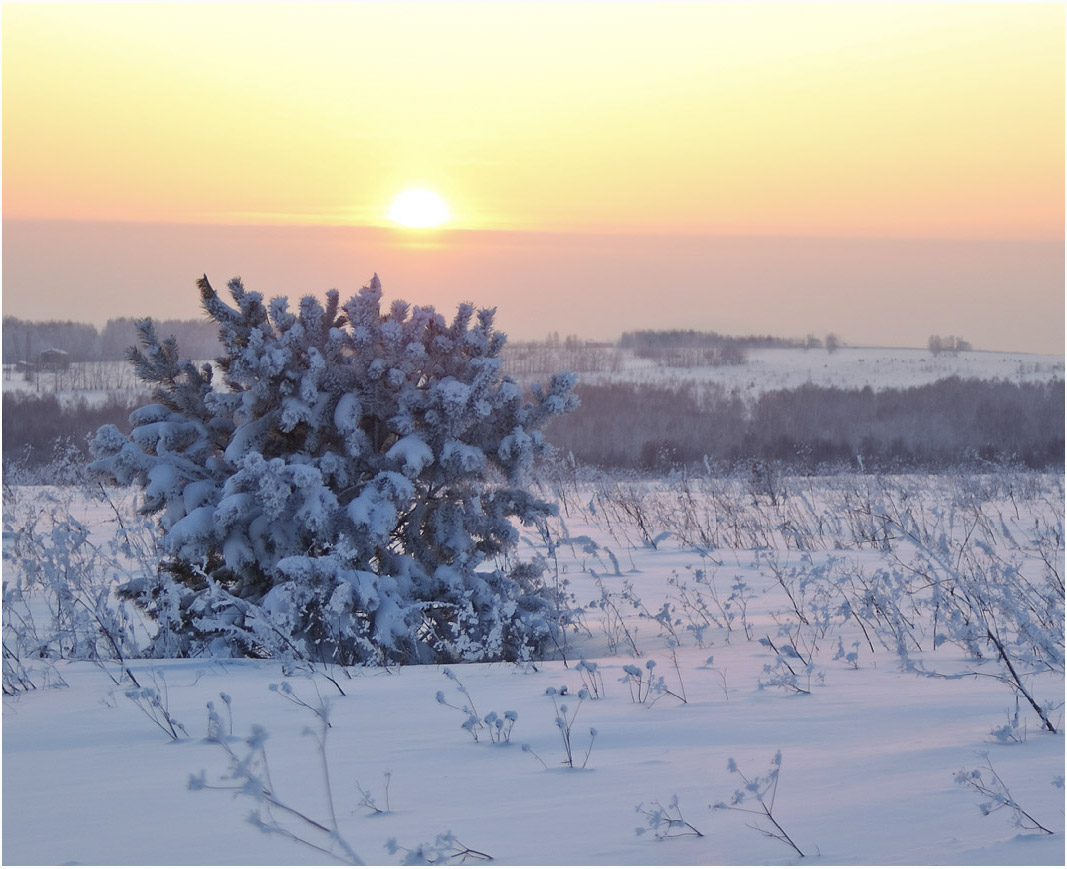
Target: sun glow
(418, 209)
(906, 120)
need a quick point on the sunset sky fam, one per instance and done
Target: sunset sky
(883, 170)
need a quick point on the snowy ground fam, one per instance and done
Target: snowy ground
(93, 381)
(869, 752)
(847, 368)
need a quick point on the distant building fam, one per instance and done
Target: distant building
(53, 359)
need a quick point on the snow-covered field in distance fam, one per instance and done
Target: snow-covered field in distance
(763, 370)
(92, 381)
(870, 750)
(846, 368)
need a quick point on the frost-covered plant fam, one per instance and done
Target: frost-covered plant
(445, 849)
(1006, 614)
(320, 708)
(214, 720)
(762, 791)
(368, 801)
(528, 749)
(627, 505)
(613, 622)
(720, 672)
(338, 486)
(790, 670)
(565, 718)
(672, 650)
(997, 795)
(569, 614)
(154, 701)
(329, 671)
(498, 727)
(1013, 730)
(790, 580)
(766, 482)
(664, 822)
(737, 602)
(645, 686)
(473, 722)
(851, 658)
(250, 777)
(25, 661)
(591, 678)
(633, 677)
(664, 617)
(1018, 620)
(877, 601)
(705, 608)
(57, 558)
(692, 603)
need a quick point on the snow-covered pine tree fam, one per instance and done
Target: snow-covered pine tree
(346, 492)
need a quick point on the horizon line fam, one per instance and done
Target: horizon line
(844, 345)
(425, 234)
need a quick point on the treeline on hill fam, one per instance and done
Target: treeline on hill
(647, 342)
(675, 348)
(685, 348)
(24, 340)
(945, 424)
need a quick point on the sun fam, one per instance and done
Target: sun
(418, 209)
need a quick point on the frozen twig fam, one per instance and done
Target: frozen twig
(763, 790)
(997, 795)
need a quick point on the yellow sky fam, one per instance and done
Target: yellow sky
(887, 119)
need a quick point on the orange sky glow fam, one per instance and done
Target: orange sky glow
(908, 121)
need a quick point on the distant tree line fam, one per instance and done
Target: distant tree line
(34, 424)
(25, 340)
(687, 348)
(953, 344)
(647, 341)
(948, 423)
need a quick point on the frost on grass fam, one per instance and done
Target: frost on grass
(249, 776)
(340, 486)
(498, 728)
(756, 798)
(987, 783)
(664, 822)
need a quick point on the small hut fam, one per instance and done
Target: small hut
(53, 359)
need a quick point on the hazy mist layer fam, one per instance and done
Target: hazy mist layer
(999, 295)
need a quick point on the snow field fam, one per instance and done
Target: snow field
(848, 368)
(869, 756)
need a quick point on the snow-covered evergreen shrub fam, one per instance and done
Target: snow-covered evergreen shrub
(341, 486)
